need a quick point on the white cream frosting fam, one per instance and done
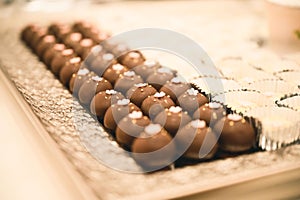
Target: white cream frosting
(153, 129)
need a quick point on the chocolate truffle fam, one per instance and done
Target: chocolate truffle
(84, 47)
(132, 59)
(154, 148)
(102, 62)
(118, 111)
(160, 77)
(27, 32)
(96, 51)
(100, 37)
(72, 66)
(130, 127)
(156, 103)
(191, 100)
(47, 42)
(175, 87)
(139, 92)
(147, 68)
(37, 35)
(210, 113)
(119, 50)
(237, 134)
(78, 79)
(55, 27)
(195, 136)
(172, 119)
(63, 32)
(52, 52)
(103, 100)
(73, 39)
(91, 87)
(60, 59)
(113, 72)
(126, 81)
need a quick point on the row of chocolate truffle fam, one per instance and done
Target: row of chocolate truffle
(101, 111)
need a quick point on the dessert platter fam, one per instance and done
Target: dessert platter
(108, 107)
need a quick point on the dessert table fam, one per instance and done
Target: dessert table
(38, 162)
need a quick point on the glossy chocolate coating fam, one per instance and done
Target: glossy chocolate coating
(175, 87)
(156, 103)
(51, 52)
(210, 113)
(37, 35)
(126, 81)
(130, 127)
(63, 32)
(55, 27)
(73, 39)
(102, 62)
(27, 32)
(147, 68)
(237, 135)
(118, 111)
(103, 100)
(91, 87)
(172, 119)
(96, 52)
(139, 92)
(153, 140)
(112, 73)
(72, 66)
(60, 59)
(194, 136)
(78, 79)
(160, 77)
(100, 37)
(84, 47)
(132, 59)
(191, 100)
(47, 42)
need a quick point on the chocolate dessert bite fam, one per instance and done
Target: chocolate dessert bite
(37, 36)
(130, 127)
(154, 147)
(63, 32)
(101, 63)
(96, 51)
(156, 103)
(118, 111)
(113, 72)
(78, 79)
(132, 59)
(175, 87)
(92, 86)
(172, 119)
(139, 92)
(160, 77)
(100, 37)
(210, 113)
(60, 59)
(47, 42)
(103, 100)
(84, 47)
(194, 136)
(191, 100)
(72, 66)
(73, 39)
(147, 68)
(126, 81)
(237, 134)
(51, 52)
(27, 32)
